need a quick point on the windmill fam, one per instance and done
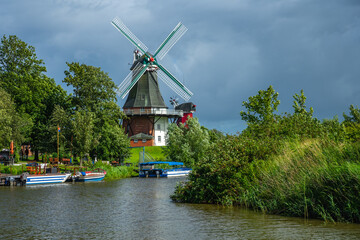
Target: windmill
(147, 113)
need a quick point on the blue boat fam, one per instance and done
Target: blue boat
(152, 169)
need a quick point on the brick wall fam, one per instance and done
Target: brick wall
(140, 143)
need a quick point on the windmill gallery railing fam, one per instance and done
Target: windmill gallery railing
(153, 111)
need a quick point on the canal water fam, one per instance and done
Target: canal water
(141, 209)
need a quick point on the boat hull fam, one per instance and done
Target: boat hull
(47, 178)
(179, 172)
(90, 179)
(90, 176)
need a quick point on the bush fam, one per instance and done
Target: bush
(14, 170)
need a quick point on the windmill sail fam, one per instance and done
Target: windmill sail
(173, 83)
(131, 79)
(120, 26)
(149, 62)
(170, 41)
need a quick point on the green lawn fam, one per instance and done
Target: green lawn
(155, 152)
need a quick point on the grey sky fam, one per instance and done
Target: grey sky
(231, 50)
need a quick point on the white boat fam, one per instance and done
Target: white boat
(46, 178)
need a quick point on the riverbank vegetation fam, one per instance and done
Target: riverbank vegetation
(289, 164)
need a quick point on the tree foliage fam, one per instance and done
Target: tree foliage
(261, 107)
(59, 119)
(12, 126)
(83, 130)
(299, 104)
(33, 105)
(94, 92)
(352, 124)
(23, 76)
(187, 143)
(91, 86)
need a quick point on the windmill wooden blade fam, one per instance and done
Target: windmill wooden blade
(170, 41)
(120, 26)
(173, 83)
(131, 79)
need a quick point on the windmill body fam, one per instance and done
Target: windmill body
(147, 113)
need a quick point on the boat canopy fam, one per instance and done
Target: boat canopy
(169, 163)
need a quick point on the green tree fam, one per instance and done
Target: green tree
(113, 143)
(352, 124)
(187, 143)
(12, 126)
(299, 104)
(334, 129)
(91, 86)
(22, 75)
(261, 107)
(301, 123)
(83, 129)
(94, 92)
(59, 118)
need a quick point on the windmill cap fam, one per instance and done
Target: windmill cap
(141, 59)
(186, 107)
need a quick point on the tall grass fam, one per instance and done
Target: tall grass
(311, 179)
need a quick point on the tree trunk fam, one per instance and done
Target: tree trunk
(36, 155)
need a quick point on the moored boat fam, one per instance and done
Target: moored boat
(154, 169)
(90, 176)
(32, 179)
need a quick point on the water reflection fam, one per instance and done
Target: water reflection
(141, 209)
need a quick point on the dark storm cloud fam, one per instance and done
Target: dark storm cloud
(232, 48)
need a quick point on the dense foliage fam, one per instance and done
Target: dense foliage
(290, 164)
(187, 143)
(33, 107)
(11, 124)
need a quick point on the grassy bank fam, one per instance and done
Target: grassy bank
(313, 179)
(155, 151)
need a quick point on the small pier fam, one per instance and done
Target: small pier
(12, 180)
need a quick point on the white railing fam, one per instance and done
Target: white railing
(154, 111)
